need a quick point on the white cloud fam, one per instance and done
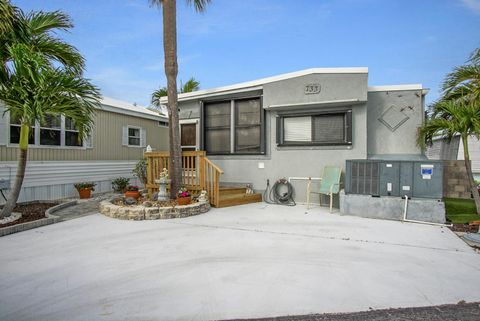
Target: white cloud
(473, 5)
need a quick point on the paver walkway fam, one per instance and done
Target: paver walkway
(83, 207)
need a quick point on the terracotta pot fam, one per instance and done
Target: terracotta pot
(85, 193)
(134, 194)
(183, 200)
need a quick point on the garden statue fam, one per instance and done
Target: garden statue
(163, 181)
(203, 197)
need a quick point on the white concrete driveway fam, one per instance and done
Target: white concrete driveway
(254, 260)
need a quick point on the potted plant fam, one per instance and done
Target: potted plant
(132, 191)
(85, 189)
(183, 197)
(119, 184)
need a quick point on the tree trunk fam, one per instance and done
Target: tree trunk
(171, 71)
(468, 166)
(22, 165)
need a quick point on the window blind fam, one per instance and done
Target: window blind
(297, 129)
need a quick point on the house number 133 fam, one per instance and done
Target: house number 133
(312, 89)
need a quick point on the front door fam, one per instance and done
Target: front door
(188, 136)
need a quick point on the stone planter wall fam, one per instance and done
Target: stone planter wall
(140, 212)
(455, 180)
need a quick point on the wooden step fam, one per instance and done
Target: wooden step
(239, 199)
(232, 190)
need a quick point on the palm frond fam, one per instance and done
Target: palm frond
(60, 51)
(35, 89)
(450, 118)
(8, 14)
(199, 5)
(40, 22)
(475, 57)
(157, 94)
(189, 86)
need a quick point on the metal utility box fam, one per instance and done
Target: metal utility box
(416, 178)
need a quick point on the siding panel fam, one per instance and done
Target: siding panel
(54, 180)
(107, 142)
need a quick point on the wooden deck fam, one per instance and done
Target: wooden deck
(199, 173)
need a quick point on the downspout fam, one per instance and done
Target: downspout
(419, 222)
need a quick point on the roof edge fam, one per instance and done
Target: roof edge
(395, 87)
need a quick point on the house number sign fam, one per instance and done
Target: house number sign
(312, 89)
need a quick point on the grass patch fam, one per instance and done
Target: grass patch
(461, 211)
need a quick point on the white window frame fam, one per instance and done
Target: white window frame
(36, 128)
(139, 136)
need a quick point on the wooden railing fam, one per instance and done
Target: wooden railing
(198, 173)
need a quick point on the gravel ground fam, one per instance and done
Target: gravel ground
(453, 312)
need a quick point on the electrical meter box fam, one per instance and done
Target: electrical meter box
(416, 178)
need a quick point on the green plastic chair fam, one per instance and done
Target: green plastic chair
(329, 184)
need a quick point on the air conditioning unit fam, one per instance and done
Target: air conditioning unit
(418, 178)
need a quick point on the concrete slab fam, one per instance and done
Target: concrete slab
(248, 261)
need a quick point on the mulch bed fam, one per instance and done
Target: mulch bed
(467, 228)
(30, 212)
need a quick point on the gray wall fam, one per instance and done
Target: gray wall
(381, 139)
(333, 87)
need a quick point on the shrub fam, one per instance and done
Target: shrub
(120, 183)
(140, 171)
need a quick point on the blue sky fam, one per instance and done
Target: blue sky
(401, 41)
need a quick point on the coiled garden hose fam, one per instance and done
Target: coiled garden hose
(273, 196)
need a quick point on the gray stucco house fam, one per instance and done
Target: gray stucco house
(292, 125)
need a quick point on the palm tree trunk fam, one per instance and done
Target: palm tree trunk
(171, 71)
(22, 165)
(468, 166)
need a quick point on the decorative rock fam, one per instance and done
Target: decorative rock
(118, 199)
(13, 217)
(130, 201)
(155, 196)
(147, 204)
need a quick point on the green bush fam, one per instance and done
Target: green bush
(120, 183)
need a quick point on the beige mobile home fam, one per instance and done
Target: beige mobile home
(57, 159)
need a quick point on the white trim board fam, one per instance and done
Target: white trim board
(395, 87)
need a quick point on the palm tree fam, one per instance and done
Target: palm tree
(169, 10)
(41, 77)
(189, 86)
(451, 118)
